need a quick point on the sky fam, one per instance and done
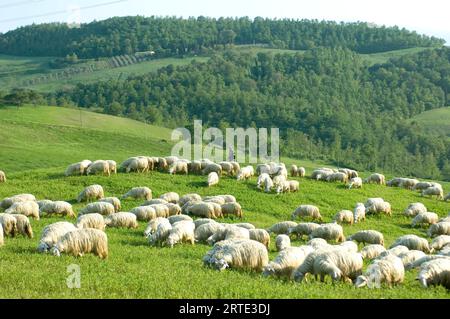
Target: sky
(430, 17)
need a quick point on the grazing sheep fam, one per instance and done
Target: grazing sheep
(9, 201)
(349, 172)
(144, 213)
(137, 164)
(203, 209)
(303, 229)
(204, 231)
(121, 220)
(174, 209)
(427, 218)
(245, 173)
(433, 191)
(82, 241)
(321, 174)
(99, 166)
(396, 251)
(43, 202)
(201, 221)
(92, 192)
(176, 218)
(344, 216)
(214, 199)
(408, 183)
(337, 177)
(260, 235)
(162, 164)
(8, 224)
(212, 167)
(317, 243)
(388, 270)
(138, 193)
(261, 181)
(267, 182)
(435, 272)
(294, 170)
(23, 225)
(57, 208)
(170, 197)
(195, 167)
(234, 209)
(410, 256)
(378, 207)
(213, 179)
(282, 227)
(368, 237)
(112, 166)
(160, 235)
(181, 232)
(101, 208)
(163, 210)
(309, 211)
(52, 233)
(227, 168)
(417, 263)
(2, 239)
(29, 209)
(155, 201)
(229, 232)
(244, 253)
(287, 261)
(113, 201)
(441, 228)
(376, 178)
(414, 208)
(297, 171)
(262, 169)
(189, 197)
(94, 220)
(152, 225)
(278, 182)
(359, 212)
(395, 182)
(372, 251)
(329, 232)
(293, 186)
(2, 177)
(439, 242)
(282, 242)
(77, 169)
(422, 185)
(412, 242)
(355, 182)
(447, 197)
(179, 167)
(236, 168)
(339, 264)
(245, 225)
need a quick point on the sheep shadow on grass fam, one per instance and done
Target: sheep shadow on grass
(198, 184)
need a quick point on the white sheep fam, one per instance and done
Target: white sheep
(233, 209)
(447, 197)
(439, 242)
(282, 227)
(227, 168)
(376, 178)
(245, 225)
(121, 220)
(317, 243)
(282, 241)
(213, 179)
(170, 197)
(144, 213)
(176, 218)
(2, 177)
(161, 234)
(189, 197)
(372, 251)
(408, 183)
(414, 208)
(379, 207)
(359, 212)
(308, 211)
(329, 232)
(441, 228)
(138, 193)
(9, 201)
(293, 186)
(155, 201)
(355, 182)
(412, 242)
(204, 231)
(260, 235)
(245, 173)
(101, 208)
(427, 218)
(92, 192)
(200, 221)
(9, 224)
(112, 166)
(212, 167)
(52, 233)
(337, 177)
(368, 237)
(43, 202)
(181, 232)
(178, 167)
(344, 216)
(23, 225)
(91, 221)
(410, 256)
(418, 262)
(303, 229)
(229, 232)
(435, 272)
(433, 191)
(2, 238)
(99, 166)
(152, 225)
(114, 201)
(174, 209)
(287, 261)
(202, 209)
(388, 270)
(262, 180)
(82, 241)
(77, 169)
(29, 209)
(57, 208)
(294, 170)
(244, 253)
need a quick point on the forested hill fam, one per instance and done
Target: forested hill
(328, 103)
(176, 36)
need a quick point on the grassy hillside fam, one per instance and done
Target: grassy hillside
(383, 57)
(35, 150)
(435, 121)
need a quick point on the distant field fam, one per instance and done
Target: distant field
(383, 57)
(256, 49)
(37, 144)
(437, 121)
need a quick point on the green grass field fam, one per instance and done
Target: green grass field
(383, 57)
(35, 149)
(435, 121)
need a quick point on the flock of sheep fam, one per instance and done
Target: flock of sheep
(170, 221)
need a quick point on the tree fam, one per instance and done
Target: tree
(227, 37)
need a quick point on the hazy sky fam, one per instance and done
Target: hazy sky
(431, 17)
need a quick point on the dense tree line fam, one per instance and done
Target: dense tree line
(328, 103)
(171, 36)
